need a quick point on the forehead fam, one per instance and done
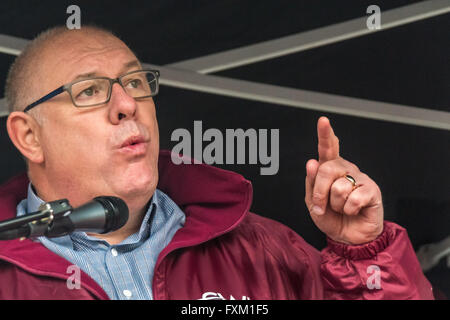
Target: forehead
(73, 54)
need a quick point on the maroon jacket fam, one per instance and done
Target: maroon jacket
(224, 251)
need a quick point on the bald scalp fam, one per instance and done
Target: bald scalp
(23, 79)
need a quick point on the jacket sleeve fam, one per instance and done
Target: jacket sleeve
(385, 268)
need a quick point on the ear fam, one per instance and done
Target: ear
(24, 133)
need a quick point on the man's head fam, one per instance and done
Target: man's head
(78, 153)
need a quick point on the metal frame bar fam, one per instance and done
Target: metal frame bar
(304, 99)
(12, 45)
(311, 39)
(3, 108)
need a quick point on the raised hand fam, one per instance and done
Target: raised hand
(346, 212)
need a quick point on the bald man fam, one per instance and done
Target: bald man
(83, 117)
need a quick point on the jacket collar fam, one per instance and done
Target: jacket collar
(214, 201)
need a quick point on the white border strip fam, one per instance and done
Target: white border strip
(312, 39)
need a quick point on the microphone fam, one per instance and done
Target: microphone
(57, 218)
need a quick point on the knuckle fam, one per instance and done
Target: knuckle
(366, 177)
(372, 185)
(339, 189)
(318, 197)
(327, 168)
(375, 186)
(377, 190)
(355, 167)
(354, 201)
(350, 165)
(336, 205)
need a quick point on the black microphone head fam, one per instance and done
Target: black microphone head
(116, 212)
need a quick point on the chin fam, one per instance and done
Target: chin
(134, 179)
(141, 184)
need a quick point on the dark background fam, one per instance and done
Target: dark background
(405, 65)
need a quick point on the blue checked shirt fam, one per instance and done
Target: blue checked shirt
(124, 270)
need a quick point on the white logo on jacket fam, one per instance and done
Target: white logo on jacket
(218, 296)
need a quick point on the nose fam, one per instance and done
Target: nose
(122, 105)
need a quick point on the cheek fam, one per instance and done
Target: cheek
(147, 116)
(77, 150)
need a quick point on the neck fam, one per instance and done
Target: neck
(137, 207)
(132, 226)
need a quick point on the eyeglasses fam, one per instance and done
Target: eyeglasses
(96, 91)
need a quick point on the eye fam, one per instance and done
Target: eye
(135, 83)
(88, 92)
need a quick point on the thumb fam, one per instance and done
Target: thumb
(312, 167)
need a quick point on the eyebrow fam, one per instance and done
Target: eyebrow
(128, 65)
(132, 63)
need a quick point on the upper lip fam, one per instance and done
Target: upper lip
(133, 140)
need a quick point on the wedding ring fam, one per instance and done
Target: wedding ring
(352, 180)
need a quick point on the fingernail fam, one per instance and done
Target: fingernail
(317, 210)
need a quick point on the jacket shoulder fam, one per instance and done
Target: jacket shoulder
(19, 284)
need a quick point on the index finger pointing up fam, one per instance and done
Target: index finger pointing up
(328, 142)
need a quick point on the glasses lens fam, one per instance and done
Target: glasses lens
(89, 92)
(140, 84)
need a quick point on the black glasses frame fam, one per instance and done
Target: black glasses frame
(68, 87)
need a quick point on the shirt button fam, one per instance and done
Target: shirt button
(114, 253)
(127, 293)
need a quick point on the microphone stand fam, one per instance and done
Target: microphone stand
(34, 223)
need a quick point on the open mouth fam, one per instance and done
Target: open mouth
(134, 145)
(132, 141)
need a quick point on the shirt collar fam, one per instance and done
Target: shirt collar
(33, 201)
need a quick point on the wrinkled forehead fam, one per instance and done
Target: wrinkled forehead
(72, 55)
